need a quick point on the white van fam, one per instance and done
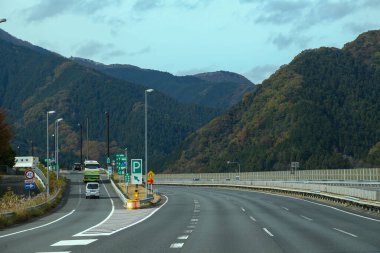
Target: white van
(92, 190)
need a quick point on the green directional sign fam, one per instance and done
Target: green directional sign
(136, 171)
(121, 163)
(127, 178)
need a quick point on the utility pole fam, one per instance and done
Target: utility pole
(108, 138)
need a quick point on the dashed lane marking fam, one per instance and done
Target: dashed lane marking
(242, 209)
(176, 245)
(345, 232)
(188, 231)
(73, 242)
(285, 208)
(268, 232)
(306, 218)
(183, 237)
(252, 218)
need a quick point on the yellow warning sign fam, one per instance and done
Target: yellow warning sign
(150, 174)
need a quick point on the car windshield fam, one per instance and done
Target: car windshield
(92, 186)
(92, 166)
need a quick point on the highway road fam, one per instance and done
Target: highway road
(194, 219)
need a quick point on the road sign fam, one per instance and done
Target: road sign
(109, 170)
(30, 186)
(29, 174)
(121, 163)
(136, 169)
(127, 178)
(151, 174)
(27, 181)
(151, 181)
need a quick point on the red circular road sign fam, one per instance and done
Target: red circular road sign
(29, 174)
(150, 181)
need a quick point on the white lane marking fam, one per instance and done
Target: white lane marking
(55, 252)
(113, 232)
(287, 209)
(73, 242)
(242, 209)
(47, 224)
(192, 226)
(106, 219)
(188, 231)
(194, 219)
(267, 231)
(306, 218)
(344, 232)
(334, 208)
(176, 245)
(197, 211)
(252, 218)
(182, 237)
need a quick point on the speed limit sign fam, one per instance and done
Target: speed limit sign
(29, 174)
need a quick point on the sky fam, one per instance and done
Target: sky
(250, 37)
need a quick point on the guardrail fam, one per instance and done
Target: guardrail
(362, 174)
(367, 199)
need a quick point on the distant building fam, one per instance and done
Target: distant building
(26, 162)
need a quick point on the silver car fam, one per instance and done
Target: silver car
(92, 190)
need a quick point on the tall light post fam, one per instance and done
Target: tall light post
(47, 152)
(81, 142)
(108, 138)
(146, 141)
(56, 145)
(229, 162)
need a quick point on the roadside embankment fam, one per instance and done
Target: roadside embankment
(18, 208)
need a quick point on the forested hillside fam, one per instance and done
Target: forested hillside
(33, 82)
(218, 90)
(321, 110)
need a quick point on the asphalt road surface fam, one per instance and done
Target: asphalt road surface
(194, 219)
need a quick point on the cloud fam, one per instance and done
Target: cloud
(145, 50)
(356, 28)
(48, 9)
(92, 49)
(260, 73)
(281, 11)
(282, 41)
(146, 5)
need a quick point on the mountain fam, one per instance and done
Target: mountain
(218, 90)
(321, 109)
(33, 82)
(223, 76)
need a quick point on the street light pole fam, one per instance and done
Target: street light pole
(81, 142)
(108, 138)
(47, 151)
(57, 146)
(146, 141)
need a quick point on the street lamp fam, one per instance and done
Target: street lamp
(108, 138)
(3, 20)
(56, 145)
(81, 142)
(47, 151)
(146, 141)
(229, 162)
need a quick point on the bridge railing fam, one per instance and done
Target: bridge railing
(360, 174)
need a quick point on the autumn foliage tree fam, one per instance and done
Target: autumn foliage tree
(6, 153)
